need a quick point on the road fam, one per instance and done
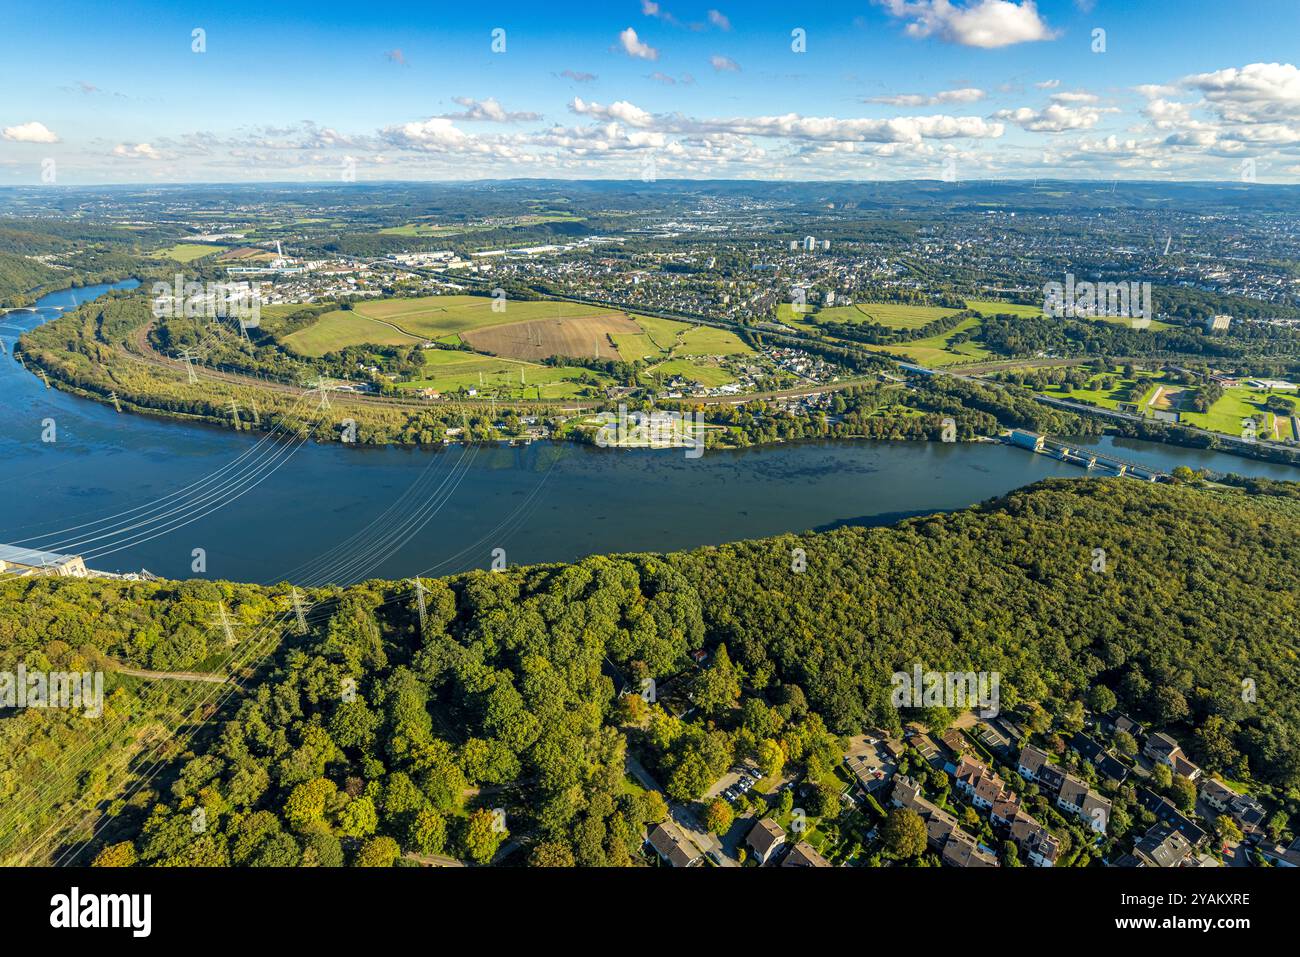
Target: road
(682, 816)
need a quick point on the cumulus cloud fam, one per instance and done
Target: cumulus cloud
(964, 95)
(136, 151)
(622, 111)
(1053, 118)
(633, 47)
(981, 23)
(32, 132)
(724, 64)
(488, 109)
(719, 20)
(1256, 93)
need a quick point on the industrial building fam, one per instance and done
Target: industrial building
(16, 561)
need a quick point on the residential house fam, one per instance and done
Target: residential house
(926, 747)
(1162, 846)
(1004, 809)
(1091, 750)
(1032, 760)
(1288, 856)
(1080, 800)
(804, 854)
(956, 848)
(957, 745)
(1163, 749)
(1035, 841)
(1244, 808)
(672, 845)
(765, 839)
(1166, 811)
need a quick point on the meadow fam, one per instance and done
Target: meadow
(188, 252)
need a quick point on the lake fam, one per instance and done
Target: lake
(131, 492)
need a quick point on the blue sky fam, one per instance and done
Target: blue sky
(1185, 89)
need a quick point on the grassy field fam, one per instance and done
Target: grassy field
(339, 329)
(989, 307)
(706, 374)
(1240, 403)
(450, 371)
(1224, 416)
(937, 351)
(188, 252)
(520, 336)
(892, 314)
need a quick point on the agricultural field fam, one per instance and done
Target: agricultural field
(188, 252)
(584, 336)
(342, 328)
(519, 338)
(448, 371)
(247, 254)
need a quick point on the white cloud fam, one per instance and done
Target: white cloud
(622, 111)
(1048, 84)
(724, 64)
(138, 151)
(982, 23)
(1053, 118)
(719, 20)
(633, 46)
(488, 109)
(1251, 94)
(964, 95)
(32, 132)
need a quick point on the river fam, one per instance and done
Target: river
(131, 492)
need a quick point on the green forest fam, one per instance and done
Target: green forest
(495, 722)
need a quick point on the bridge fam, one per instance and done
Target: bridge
(1084, 457)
